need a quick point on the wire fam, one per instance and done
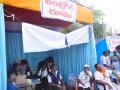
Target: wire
(12, 15)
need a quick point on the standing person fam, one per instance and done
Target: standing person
(108, 57)
(10, 81)
(115, 61)
(55, 79)
(105, 61)
(102, 77)
(118, 52)
(118, 49)
(85, 78)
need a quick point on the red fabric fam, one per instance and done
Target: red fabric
(33, 17)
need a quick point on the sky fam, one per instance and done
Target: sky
(111, 8)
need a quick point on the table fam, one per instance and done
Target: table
(31, 84)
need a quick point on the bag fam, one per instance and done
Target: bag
(21, 79)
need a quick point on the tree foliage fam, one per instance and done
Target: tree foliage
(99, 29)
(99, 26)
(71, 28)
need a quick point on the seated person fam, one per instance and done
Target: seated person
(102, 77)
(40, 64)
(16, 69)
(10, 81)
(84, 79)
(43, 72)
(55, 79)
(49, 61)
(24, 67)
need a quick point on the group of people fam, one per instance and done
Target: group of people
(102, 77)
(18, 68)
(48, 74)
(111, 60)
(51, 79)
(106, 74)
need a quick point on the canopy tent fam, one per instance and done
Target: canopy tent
(72, 58)
(69, 57)
(24, 10)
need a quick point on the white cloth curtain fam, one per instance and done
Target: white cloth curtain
(78, 36)
(38, 39)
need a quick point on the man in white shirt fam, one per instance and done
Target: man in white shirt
(84, 79)
(105, 60)
(102, 77)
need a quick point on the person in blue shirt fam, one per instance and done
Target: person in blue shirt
(10, 81)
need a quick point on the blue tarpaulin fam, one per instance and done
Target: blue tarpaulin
(100, 47)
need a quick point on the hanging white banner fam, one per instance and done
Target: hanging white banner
(78, 36)
(38, 39)
(112, 42)
(59, 9)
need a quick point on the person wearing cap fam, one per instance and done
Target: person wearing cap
(84, 79)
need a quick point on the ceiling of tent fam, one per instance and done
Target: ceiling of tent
(33, 17)
(29, 11)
